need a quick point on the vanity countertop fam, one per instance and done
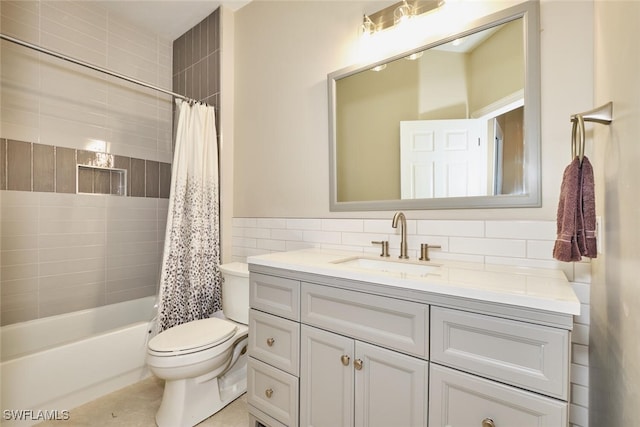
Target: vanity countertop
(535, 288)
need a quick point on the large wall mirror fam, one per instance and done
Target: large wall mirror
(453, 124)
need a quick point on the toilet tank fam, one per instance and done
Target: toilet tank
(235, 291)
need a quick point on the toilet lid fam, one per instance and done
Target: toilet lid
(193, 335)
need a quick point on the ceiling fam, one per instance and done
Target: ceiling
(168, 18)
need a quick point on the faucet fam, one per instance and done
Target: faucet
(403, 230)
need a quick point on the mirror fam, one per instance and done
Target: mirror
(453, 124)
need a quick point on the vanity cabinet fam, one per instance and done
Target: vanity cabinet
(274, 345)
(331, 352)
(346, 382)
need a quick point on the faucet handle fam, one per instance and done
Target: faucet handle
(424, 251)
(384, 246)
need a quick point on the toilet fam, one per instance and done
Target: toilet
(204, 362)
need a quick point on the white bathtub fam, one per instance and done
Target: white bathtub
(60, 362)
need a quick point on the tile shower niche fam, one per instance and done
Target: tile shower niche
(99, 180)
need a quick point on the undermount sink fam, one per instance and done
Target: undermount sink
(391, 266)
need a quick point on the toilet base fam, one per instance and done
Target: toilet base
(190, 401)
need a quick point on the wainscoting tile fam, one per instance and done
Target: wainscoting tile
(3, 164)
(43, 168)
(496, 247)
(58, 301)
(152, 179)
(178, 54)
(213, 24)
(130, 294)
(165, 180)
(545, 230)
(18, 165)
(451, 228)
(137, 177)
(65, 170)
(351, 225)
(19, 308)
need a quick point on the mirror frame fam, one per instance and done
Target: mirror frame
(529, 12)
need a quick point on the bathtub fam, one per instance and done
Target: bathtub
(60, 362)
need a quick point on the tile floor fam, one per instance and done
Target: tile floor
(136, 406)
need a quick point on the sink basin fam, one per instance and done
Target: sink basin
(391, 266)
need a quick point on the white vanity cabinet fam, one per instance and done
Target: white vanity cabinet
(334, 351)
(488, 371)
(345, 382)
(274, 345)
(351, 370)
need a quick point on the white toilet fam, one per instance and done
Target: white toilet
(203, 362)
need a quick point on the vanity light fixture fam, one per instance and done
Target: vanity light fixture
(368, 26)
(397, 14)
(402, 13)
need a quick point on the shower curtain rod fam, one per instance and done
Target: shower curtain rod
(93, 67)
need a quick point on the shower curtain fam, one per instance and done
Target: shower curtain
(190, 275)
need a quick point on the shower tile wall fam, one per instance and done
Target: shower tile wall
(63, 251)
(528, 243)
(196, 61)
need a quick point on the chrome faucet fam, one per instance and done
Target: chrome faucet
(403, 231)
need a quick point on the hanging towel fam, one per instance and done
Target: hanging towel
(587, 237)
(566, 245)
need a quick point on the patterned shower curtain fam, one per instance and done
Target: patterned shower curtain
(190, 275)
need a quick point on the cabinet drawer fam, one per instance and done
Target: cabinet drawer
(275, 295)
(257, 418)
(522, 354)
(273, 391)
(457, 399)
(389, 322)
(274, 340)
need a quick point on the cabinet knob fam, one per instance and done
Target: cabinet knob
(270, 342)
(269, 392)
(357, 364)
(345, 359)
(488, 422)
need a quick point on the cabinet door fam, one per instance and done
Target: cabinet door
(391, 388)
(458, 399)
(326, 379)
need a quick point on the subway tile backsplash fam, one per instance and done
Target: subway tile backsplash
(43, 168)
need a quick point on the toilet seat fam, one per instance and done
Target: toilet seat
(191, 337)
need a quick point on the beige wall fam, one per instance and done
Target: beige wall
(444, 92)
(367, 150)
(283, 53)
(499, 56)
(615, 295)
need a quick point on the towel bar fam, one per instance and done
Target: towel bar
(602, 114)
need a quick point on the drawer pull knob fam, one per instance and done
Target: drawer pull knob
(270, 342)
(357, 364)
(488, 422)
(269, 392)
(345, 359)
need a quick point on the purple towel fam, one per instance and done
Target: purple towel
(587, 237)
(576, 213)
(566, 246)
